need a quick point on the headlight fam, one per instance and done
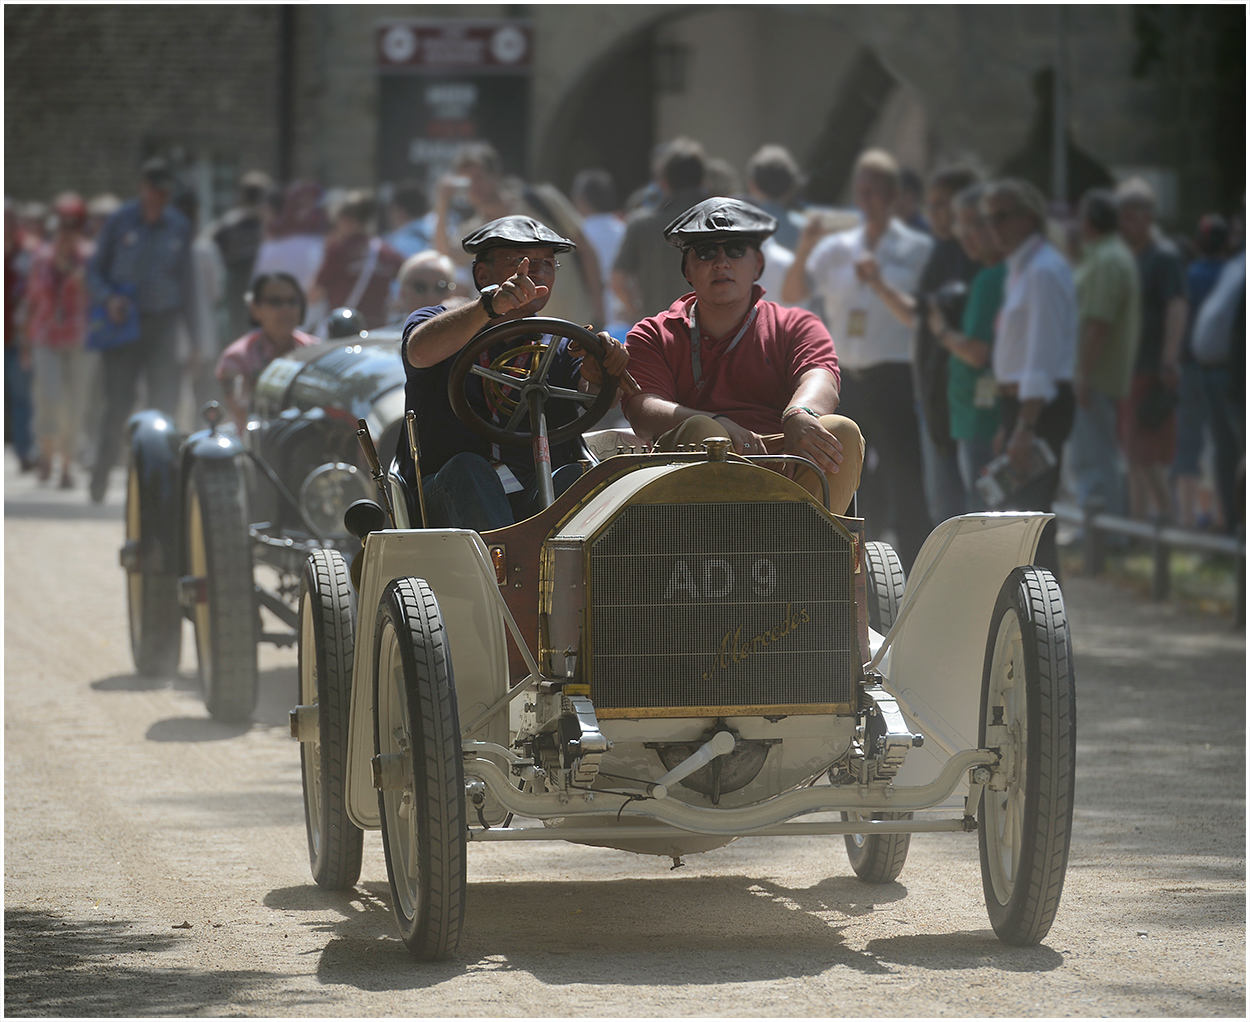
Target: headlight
(328, 491)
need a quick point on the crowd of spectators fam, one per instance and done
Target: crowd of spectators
(970, 320)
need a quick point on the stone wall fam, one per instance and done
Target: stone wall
(91, 90)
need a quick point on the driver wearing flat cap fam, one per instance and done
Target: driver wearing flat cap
(723, 361)
(470, 483)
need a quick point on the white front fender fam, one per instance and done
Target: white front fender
(935, 653)
(457, 566)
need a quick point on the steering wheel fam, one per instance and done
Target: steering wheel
(511, 379)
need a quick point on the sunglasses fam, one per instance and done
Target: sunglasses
(422, 287)
(732, 249)
(545, 265)
(999, 215)
(276, 303)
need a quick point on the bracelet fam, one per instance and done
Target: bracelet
(794, 410)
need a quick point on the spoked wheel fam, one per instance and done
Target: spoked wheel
(886, 581)
(421, 797)
(219, 555)
(326, 652)
(877, 858)
(151, 592)
(1028, 713)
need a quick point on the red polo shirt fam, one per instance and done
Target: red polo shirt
(753, 382)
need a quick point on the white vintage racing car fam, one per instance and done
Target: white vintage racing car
(679, 651)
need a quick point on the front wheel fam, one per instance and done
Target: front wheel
(219, 555)
(877, 858)
(421, 801)
(886, 582)
(1028, 713)
(326, 652)
(151, 589)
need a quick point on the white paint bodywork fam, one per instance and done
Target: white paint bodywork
(931, 659)
(457, 566)
(936, 649)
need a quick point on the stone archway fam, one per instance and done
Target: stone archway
(733, 77)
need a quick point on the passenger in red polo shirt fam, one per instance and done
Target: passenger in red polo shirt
(722, 361)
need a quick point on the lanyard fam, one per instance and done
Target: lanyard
(696, 361)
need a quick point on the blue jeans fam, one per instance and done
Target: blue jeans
(973, 455)
(1191, 422)
(467, 493)
(1093, 454)
(17, 405)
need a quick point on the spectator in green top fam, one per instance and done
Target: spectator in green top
(971, 390)
(1109, 305)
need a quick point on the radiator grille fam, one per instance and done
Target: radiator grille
(731, 604)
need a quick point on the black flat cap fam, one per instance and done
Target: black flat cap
(157, 173)
(720, 219)
(514, 230)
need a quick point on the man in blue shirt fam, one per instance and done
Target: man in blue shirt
(468, 482)
(142, 266)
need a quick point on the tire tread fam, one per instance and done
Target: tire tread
(436, 930)
(230, 691)
(326, 580)
(1031, 910)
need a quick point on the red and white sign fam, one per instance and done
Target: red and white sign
(442, 47)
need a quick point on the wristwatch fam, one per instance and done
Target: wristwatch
(488, 301)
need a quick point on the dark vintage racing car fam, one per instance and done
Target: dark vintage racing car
(219, 524)
(680, 650)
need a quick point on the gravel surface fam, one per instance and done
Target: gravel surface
(156, 863)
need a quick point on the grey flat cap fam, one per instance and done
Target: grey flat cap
(514, 230)
(720, 219)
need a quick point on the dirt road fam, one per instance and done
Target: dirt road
(155, 861)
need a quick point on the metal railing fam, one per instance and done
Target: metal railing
(1162, 539)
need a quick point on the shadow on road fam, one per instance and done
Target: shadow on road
(678, 931)
(60, 967)
(139, 683)
(276, 693)
(62, 511)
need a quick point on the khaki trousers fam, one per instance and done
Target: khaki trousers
(842, 484)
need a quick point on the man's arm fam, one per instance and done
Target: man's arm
(902, 307)
(967, 349)
(815, 395)
(443, 335)
(794, 289)
(1174, 323)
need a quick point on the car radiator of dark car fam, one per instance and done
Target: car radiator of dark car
(698, 609)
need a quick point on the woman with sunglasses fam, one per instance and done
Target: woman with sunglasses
(276, 303)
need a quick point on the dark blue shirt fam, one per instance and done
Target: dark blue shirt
(1203, 273)
(443, 436)
(154, 259)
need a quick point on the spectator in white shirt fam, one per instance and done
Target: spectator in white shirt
(874, 347)
(1035, 346)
